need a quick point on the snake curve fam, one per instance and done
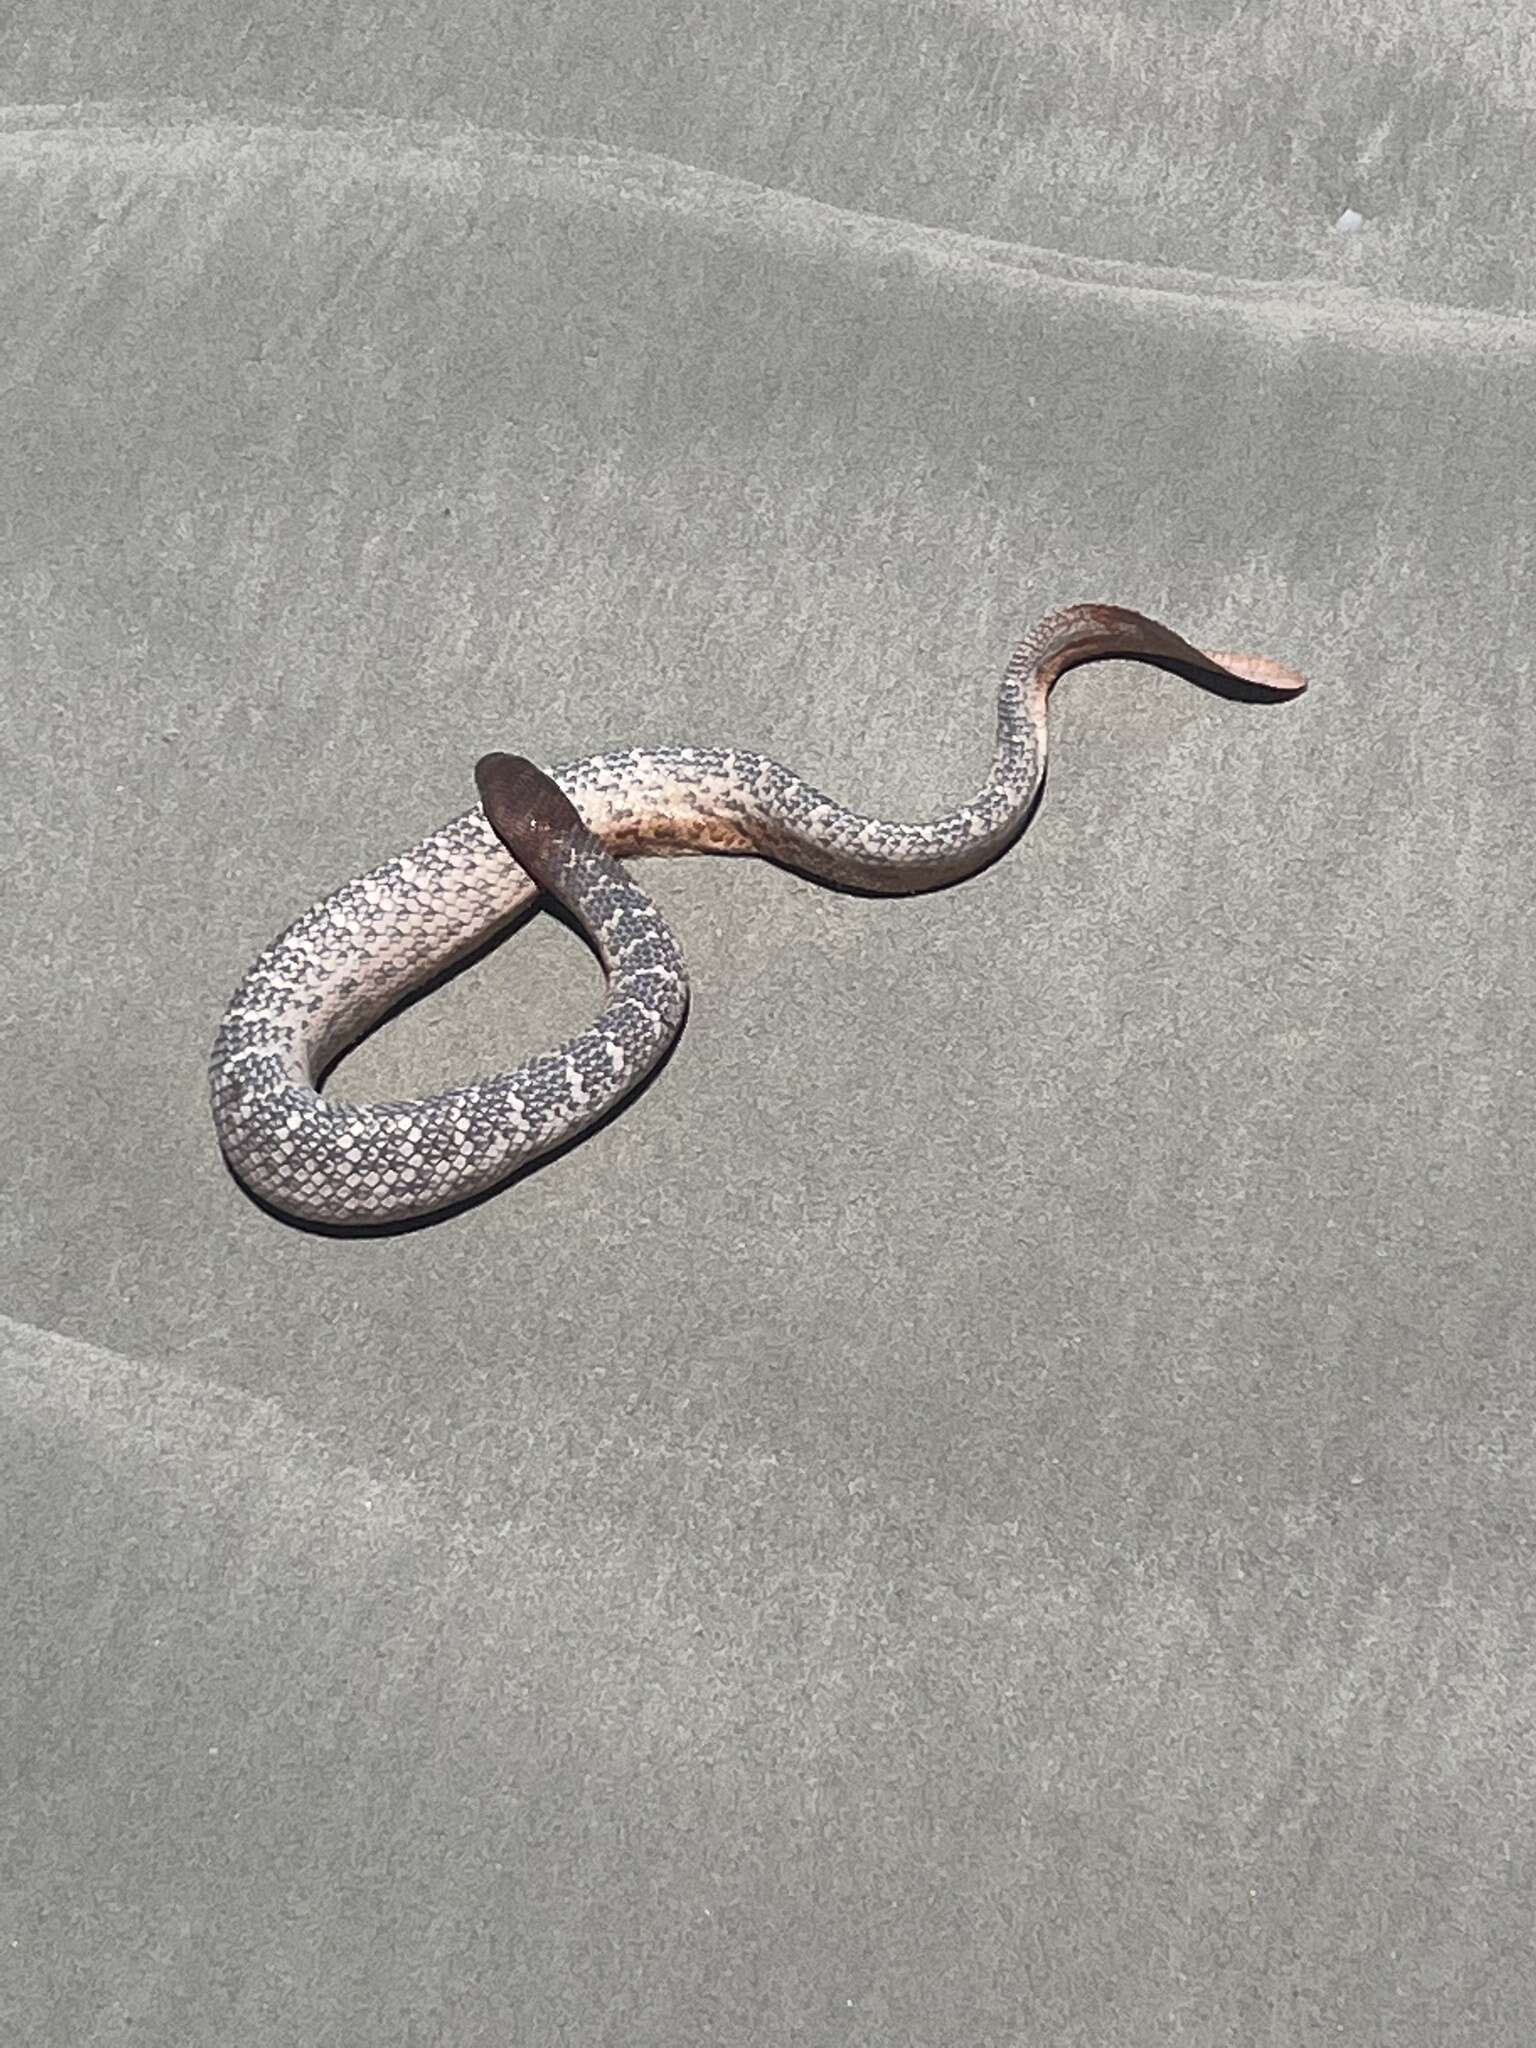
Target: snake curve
(348, 960)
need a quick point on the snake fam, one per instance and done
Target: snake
(351, 958)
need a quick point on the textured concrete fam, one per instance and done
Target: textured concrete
(994, 1504)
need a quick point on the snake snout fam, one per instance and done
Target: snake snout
(1258, 668)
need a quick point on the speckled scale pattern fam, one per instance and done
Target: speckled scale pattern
(353, 956)
(350, 958)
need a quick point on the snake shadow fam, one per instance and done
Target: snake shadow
(1235, 689)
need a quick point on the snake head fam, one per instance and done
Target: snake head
(532, 816)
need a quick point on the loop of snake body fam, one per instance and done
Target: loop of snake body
(352, 957)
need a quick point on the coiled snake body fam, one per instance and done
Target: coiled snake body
(348, 960)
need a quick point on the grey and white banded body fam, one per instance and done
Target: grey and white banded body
(352, 957)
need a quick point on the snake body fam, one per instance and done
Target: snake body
(353, 956)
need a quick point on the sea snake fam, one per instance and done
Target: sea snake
(351, 958)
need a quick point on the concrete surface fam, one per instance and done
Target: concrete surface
(994, 1504)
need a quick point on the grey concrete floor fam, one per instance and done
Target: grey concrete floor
(994, 1504)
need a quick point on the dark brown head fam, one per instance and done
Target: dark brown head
(530, 813)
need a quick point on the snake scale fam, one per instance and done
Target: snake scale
(350, 959)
